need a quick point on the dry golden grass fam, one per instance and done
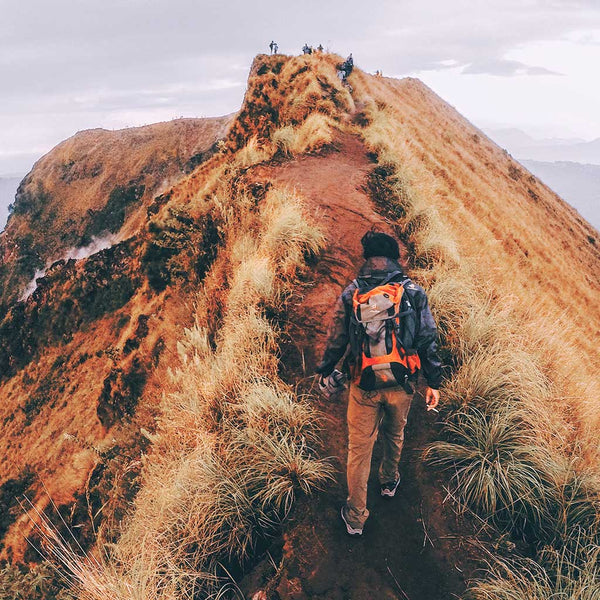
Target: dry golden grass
(516, 440)
(512, 232)
(450, 225)
(313, 135)
(236, 445)
(513, 279)
(293, 89)
(74, 180)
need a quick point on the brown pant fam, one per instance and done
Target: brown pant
(385, 411)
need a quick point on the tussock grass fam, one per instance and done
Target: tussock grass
(575, 511)
(496, 374)
(313, 135)
(236, 445)
(561, 578)
(253, 153)
(406, 191)
(276, 409)
(284, 139)
(288, 238)
(496, 466)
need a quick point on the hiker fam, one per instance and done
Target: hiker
(343, 71)
(306, 49)
(385, 320)
(320, 48)
(274, 47)
(348, 65)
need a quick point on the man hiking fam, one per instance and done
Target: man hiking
(385, 320)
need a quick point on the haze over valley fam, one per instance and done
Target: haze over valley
(8, 188)
(570, 167)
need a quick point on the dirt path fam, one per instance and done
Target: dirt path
(394, 558)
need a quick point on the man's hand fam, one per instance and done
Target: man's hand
(333, 384)
(432, 398)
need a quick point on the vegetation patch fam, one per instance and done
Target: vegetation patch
(179, 248)
(64, 302)
(122, 388)
(51, 385)
(112, 216)
(36, 582)
(11, 492)
(237, 442)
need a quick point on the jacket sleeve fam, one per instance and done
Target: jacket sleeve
(426, 342)
(337, 338)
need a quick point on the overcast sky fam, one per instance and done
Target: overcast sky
(71, 65)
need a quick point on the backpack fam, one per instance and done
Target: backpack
(382, 361)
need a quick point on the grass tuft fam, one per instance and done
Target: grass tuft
(496, 466)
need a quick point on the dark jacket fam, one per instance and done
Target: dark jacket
(418, 328)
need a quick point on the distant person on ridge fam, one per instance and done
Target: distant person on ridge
(320, 48)
(349, 65)
(344, 70)
(385, 320)
(274, 47)
(306, 49)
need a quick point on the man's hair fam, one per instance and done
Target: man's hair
(376, 243)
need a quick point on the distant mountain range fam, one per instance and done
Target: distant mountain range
(571, 167)
(522, 145)
(578, 184)
(8, 188)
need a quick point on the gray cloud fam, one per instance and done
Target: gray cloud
(504, 68)
(67, 65)
(474, 35)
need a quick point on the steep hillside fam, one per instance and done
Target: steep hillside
(510, 230)
(194, 339)
(96, 183)
(77, 354)
(577, 183)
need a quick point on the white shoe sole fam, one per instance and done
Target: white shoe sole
(390, 493)
(351, 530)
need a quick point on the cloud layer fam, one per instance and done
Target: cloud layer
(68, 65)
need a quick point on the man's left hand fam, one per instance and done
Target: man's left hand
(432, 398)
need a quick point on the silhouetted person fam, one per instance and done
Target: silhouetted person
(344, 71)
(320, 48)
(306, 49)
(273, 46)
(349, 65)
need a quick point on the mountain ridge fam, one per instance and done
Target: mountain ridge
(142, 337)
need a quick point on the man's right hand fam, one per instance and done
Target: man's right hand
(334, 383)
(432, 398)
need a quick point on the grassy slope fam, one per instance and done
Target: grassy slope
(96, 181)
(503, 258)
(515, 234)
(75, 365)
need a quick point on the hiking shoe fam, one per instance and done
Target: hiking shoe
(351, 530)
(388, 490)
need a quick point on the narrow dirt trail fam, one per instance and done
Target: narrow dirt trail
(393, 559)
